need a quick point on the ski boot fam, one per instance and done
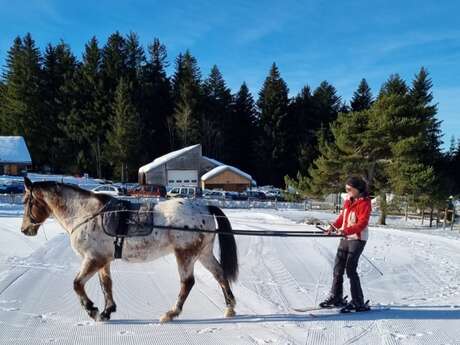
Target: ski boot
(352, 306)
(333, 302)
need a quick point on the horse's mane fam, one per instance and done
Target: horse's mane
(46, 185)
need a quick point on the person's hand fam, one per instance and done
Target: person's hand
(329, 230)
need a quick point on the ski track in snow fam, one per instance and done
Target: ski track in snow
(421, 287)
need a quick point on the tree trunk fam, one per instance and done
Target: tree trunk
(383, 208)
(423, 215)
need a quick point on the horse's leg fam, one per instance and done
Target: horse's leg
(209, 261)
(185, 264)
(106, 285)
(87, 269)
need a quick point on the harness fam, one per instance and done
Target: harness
(125, 219)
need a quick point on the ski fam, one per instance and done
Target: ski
(314, 308)
(339, 313)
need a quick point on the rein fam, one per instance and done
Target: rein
(270, 233)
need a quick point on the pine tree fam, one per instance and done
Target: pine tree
(421, 98)
(157, 108)
(304, 111)
(216, 122)
(322, 109)
(23, 112)
(186, 124)
(135, 57)
(113, 66)
(187, 98)
(59, 68)
(123, 137)
(395, 85)
(243, 131)
(362, 97)
(276, 144)
(87, 123)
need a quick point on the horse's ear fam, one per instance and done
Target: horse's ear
(27, 183)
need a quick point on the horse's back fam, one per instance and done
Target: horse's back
(184, 213)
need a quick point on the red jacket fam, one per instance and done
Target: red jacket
(354, 217)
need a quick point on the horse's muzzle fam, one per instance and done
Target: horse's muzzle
(30, 231)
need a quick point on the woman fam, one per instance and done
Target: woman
(352, 224)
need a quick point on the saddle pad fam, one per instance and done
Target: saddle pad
(126, 219)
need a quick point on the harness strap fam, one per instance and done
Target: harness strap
(91, 217)
(118, 244)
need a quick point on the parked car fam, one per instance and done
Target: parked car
(108, 189)
(185, 192)
(214, 194)
(148, 190)
(275, 195)
(12, 187)
(256, 195)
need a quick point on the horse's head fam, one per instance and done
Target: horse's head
(36, 211)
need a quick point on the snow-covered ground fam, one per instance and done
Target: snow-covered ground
(420, 285)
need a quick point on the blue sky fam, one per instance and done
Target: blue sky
(311, 41)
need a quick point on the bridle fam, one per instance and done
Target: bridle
(30, 203)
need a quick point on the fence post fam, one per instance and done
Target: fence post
(445, 219)
(407, 209)
(452, 222)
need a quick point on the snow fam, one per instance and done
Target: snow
(420, 289)
(14, 150)
(212, 161)
(219, 169)
(167, 157)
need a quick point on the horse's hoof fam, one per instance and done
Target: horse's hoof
(165, 318)
(170, 315)
(103, 317)
(93, 313)
(229, 312)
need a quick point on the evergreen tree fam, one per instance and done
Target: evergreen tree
(362, 97)
(88, 121)
(327, 103)
(114, 63)
(59, 68)
(135, 57)
(277, 157)
(187, 98)
(23, 111)
(216, 122)
(395, 85)
(421, 97)
(322, 109)
(304, 111)
(123, 137)
(186, 124)
(242, 131)
(157, 108)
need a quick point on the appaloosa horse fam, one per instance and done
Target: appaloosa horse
(80, 212)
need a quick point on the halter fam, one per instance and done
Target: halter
(30, 202)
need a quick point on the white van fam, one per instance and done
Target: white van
(184, 192)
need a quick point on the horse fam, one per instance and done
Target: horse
(80, 211)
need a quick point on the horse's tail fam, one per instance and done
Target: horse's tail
(228, 251)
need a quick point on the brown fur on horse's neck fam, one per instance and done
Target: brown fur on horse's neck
(55, 193)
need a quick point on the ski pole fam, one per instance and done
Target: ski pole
(372, 264)
(364, 256)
